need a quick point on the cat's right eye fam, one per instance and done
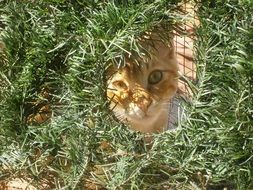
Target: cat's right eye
(155, 77)
(120, 85)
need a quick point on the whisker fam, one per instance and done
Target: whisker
(119, 115)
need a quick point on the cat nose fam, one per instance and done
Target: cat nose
(143, 103)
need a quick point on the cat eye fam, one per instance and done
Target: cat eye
(120, 85)
(155, 77)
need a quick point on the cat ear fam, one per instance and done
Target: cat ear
(158, 45)
(165, 49)
(171, 48)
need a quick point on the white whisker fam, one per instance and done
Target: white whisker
(121, 117)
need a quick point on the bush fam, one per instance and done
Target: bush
(56, 129)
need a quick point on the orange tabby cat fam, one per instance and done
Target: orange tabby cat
(140, 95)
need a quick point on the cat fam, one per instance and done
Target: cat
(140, 94)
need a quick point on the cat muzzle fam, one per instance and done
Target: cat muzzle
(135, 111)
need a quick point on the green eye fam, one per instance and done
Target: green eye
(155, 77)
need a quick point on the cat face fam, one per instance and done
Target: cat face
(140, 94)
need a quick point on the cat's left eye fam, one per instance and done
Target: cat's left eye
(120, 85)
(155, 77)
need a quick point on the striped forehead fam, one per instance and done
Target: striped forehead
(138, 67)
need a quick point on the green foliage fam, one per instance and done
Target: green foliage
(224, 51)
(56, 55)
